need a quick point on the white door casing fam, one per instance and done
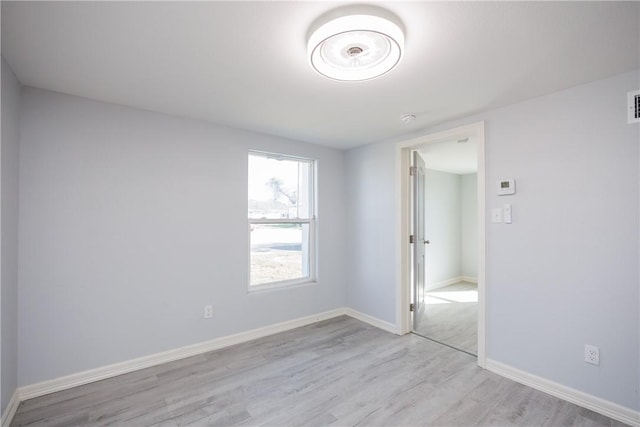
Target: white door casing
(404, 280)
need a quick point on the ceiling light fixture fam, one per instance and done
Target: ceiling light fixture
(355, 47)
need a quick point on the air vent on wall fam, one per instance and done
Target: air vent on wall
(633, 107)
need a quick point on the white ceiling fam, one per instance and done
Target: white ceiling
(244, 64)
(458, 156)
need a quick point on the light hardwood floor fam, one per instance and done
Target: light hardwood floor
(451, 316)
(337, 372)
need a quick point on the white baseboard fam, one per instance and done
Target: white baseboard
(373, 321)
(80, 378)
(442, 284)
(596, 404)
(10, 410)
(92, 375)
(451, 281)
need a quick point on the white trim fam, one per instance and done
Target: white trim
(442, 284)
(80, 378)
(10, 410)
(602, 406)
(403, 259)
(482, 247)
(451, 281)
(373, 321)
(92, 375)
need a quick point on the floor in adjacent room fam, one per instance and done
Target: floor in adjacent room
(450, 316)
(336, 372)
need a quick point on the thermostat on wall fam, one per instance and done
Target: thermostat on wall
(506, 186)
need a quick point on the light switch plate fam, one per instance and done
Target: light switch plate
(507, 213)
(496, 215)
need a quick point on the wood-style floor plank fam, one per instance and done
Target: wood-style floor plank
(451, 316)
(340, 372)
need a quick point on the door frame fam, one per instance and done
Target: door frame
(403, 206)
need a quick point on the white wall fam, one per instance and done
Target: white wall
(131, 221)
(9, 154)
(451, 224)
(371, 241)
(469, 224)
(566, 272)
(442, 215)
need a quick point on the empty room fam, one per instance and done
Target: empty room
(320, 213)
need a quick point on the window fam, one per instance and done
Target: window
(281, 220)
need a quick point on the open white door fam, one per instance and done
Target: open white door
(417, 237)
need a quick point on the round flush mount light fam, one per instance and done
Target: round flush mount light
(355, 47)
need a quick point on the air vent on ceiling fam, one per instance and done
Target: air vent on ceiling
(633, 107)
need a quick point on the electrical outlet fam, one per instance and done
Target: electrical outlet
(591, 354)
(208, 311)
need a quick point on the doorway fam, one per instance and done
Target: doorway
(444, 212)
(442, 282)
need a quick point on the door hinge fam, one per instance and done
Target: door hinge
(413, 170)
(411, 239)
(412, 307)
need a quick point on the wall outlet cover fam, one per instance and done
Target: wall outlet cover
(591, 354)
(208, 311)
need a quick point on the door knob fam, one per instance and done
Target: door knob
(426, 242)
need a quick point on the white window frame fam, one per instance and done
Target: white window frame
(311, 222)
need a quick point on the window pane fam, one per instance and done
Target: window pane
(279, 252)
(279, 187)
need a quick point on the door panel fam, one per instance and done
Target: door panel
(417, 226)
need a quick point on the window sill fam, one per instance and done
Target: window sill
(288, 284)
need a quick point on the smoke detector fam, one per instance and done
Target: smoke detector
(407, 118)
